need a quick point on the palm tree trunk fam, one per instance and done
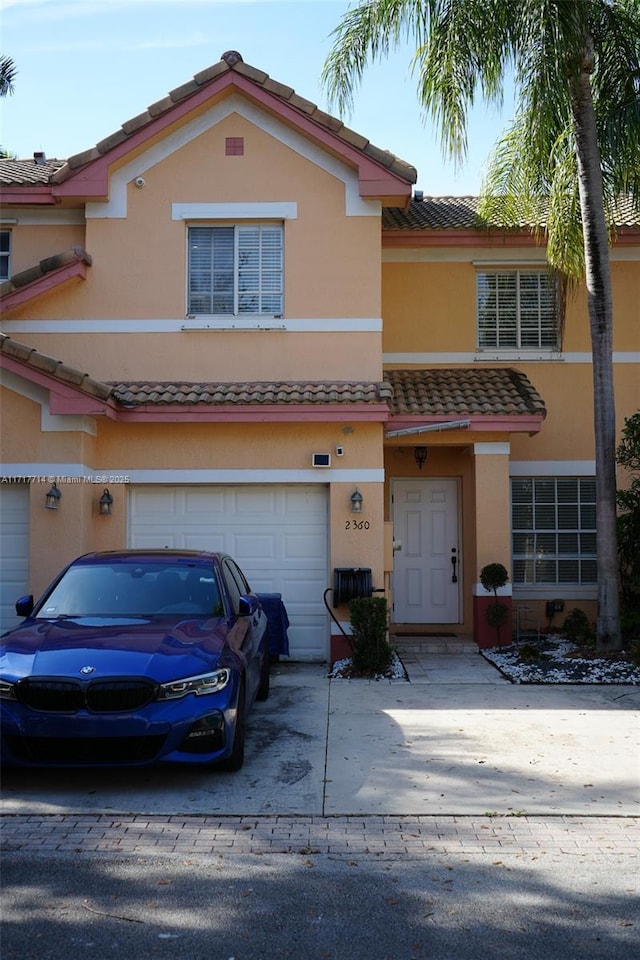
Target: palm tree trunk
(600, 307)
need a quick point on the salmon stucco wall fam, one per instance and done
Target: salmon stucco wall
(215, 355)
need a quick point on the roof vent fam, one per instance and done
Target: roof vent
(231, 57)
(418, 195)
(40, 158)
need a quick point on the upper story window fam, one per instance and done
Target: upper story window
(5, 254)
(517, 309)
(235, 270)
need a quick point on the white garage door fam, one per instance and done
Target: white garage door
(14, 549)
(278, 535)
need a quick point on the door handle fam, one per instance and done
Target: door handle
(454, 561)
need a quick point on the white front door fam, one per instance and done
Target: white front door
(426, 583)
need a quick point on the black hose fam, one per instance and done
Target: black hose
(333, 617)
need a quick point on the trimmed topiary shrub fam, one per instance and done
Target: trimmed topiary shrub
(372, 651)
(493, 577)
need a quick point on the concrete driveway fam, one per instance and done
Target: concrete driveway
(457, 739)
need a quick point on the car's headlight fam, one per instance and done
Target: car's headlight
(201, 685)
(7, 690)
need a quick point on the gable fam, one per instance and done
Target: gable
(192, 160)
(380, 175)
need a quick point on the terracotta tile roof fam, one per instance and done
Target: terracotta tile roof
(32, 274)
(450, 392)
(28, 171)
(451, 213)
(433, 213)
(462, 391)
(54, 368)
(23, 171)
(220, 394)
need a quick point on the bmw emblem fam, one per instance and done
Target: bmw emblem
(85, 671)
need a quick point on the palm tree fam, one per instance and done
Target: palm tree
(571, 151)
(7, 75)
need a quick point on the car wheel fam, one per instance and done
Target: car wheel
(265, 677)
(235, 759)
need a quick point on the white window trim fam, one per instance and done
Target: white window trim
(236, 320)
(534, 591)
(536, 351)
(286, 210)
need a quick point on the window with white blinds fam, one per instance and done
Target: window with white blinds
(234, 270)
(517, 309)
(553, 529)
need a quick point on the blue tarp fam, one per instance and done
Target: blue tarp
(278, 622)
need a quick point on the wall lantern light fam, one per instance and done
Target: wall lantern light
(104, 504)
(420, 453)
(52, 498)
(356, 501)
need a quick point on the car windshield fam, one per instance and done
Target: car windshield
(134, 588)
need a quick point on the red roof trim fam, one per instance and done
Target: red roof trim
(247, 413)
(92, 178)
(459, 237)
(19, 193)
(64, 397)
(44, 285)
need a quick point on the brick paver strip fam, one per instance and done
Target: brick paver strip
(357, 836)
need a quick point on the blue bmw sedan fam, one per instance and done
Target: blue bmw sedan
(134, 657)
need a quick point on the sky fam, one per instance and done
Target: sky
(86, 66)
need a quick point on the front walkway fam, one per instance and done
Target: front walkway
(450, 668)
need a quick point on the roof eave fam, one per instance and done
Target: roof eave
(47, 283)
(91, 177)
(250, 413)
(460, 237)
(66, 396)
(27, 194)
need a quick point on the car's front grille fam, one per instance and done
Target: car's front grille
(97, 696)
(57, 696)
(114, 696)
(73, 751)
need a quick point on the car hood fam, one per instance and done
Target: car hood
(162, 648)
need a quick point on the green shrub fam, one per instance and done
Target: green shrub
(529, 653)
(372, 651)
(634, 652)
(577, 628)
(630, 623)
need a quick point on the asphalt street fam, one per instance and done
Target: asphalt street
(457, 817)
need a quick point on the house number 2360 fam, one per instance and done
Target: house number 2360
(357, 525)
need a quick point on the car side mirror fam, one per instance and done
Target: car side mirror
(247, 606)
(25, 605)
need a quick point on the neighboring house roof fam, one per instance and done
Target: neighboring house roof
(39, 170)
(460, 391)
(461, 213)
(43, 277)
